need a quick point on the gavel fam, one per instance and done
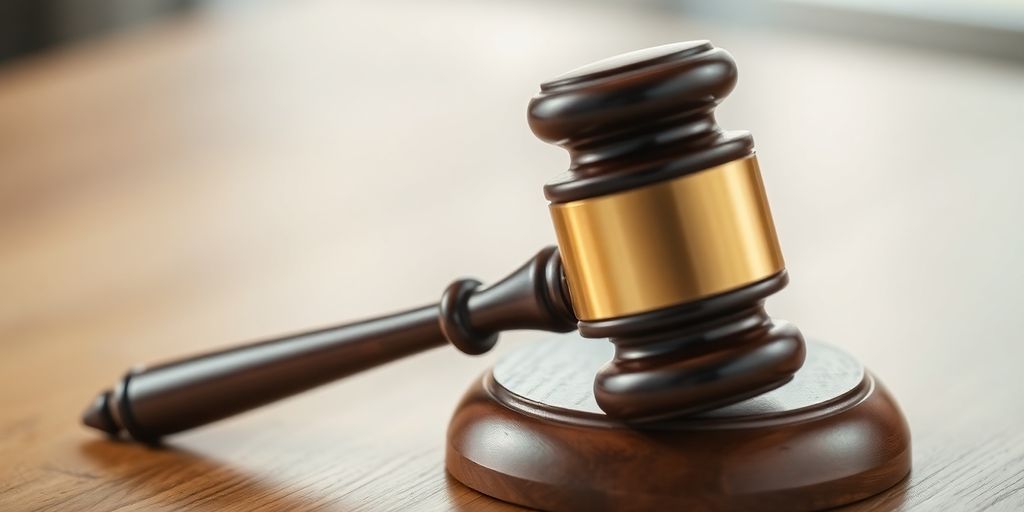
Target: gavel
(665, 246)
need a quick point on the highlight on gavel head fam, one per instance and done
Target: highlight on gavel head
(666, 238)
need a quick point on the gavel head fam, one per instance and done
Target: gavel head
(666, 239)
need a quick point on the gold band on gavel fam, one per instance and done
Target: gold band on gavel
(667, 243)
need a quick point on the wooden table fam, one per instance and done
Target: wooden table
(253, 172)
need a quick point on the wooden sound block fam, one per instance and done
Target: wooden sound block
(530, 432)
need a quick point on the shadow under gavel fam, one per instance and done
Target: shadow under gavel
(149, 403)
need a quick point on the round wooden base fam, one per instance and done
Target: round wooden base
(529, 432)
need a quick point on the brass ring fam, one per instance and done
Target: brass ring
(667, 243)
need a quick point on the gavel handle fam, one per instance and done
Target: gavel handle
(153, 402)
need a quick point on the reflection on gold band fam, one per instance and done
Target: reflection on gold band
(668, 243)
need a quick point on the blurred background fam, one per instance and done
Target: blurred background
(979, 27)
(181, 175)
(304, 120)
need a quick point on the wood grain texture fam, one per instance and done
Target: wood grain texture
(521, 434)
(160, 399)
(223, 178)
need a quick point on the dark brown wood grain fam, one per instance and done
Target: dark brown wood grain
(150, 403)
(637, 119)
(696, 356)
(675, 361)
(185, 186)
(530, 433)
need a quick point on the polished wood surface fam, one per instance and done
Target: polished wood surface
(216, 179)
(156, 400)
(666, 237)
(531, 432)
